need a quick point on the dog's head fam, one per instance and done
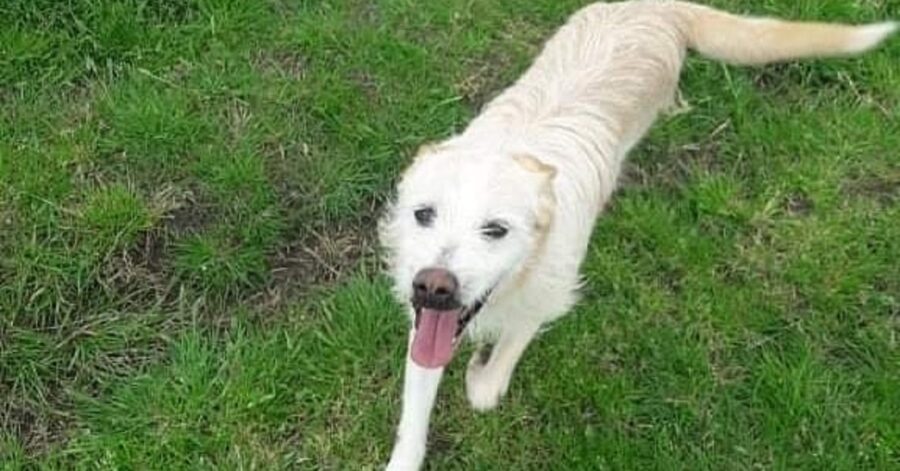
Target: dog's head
(464, 224)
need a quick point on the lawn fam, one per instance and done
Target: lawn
(189, 277)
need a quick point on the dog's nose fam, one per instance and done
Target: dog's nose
(435, 288)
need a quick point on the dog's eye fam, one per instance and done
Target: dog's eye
(494, 230)
(424, 216)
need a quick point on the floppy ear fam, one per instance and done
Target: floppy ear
(547, 195)
(532, 164)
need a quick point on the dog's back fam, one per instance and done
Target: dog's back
(640, 45)
(602, 79)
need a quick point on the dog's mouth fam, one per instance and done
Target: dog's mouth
(438, 332)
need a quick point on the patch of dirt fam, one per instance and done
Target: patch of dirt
(321, 257)
(484, 81)
(486, 77)
(41, 425)
(290, 166)
(440, 443)
(786, 79)
(883, 189)
(655, 165)
(237, 117)
(141, 275)
(321, 252)
(141, 267)
(172, 12)
(288, 64)
(778, 77)
(150, 251)
(36, 433)
(9, 96)
(367, 13)
(773, 77)
(368, 84)
(141, 271)
(190, 217)
(798, 205)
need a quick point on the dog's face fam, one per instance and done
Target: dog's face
(461, 226)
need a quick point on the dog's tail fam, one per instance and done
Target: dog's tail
(751, 40)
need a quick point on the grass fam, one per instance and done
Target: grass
(188, 278)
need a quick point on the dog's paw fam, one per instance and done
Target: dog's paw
(483, 388)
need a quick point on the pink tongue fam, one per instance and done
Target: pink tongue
(432, 345)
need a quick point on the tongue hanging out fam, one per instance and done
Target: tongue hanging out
(432, 345)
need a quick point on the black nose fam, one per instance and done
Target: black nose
(435, 288)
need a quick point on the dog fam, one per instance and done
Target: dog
(488, 228)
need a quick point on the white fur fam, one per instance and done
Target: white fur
(591, 94)
(871, 35)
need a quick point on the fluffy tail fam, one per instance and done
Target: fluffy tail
(748, 40)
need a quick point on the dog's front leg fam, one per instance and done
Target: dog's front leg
(420, 387)
(488, 379)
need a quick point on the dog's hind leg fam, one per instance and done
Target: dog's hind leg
(420, 387)
(487, 380)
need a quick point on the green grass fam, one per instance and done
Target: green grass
(188, 281)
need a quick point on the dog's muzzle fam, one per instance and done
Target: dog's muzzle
(440, 318)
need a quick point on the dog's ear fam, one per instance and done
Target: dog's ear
(547, 196)
(532, 164)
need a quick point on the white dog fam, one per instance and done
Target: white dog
(489, 227)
